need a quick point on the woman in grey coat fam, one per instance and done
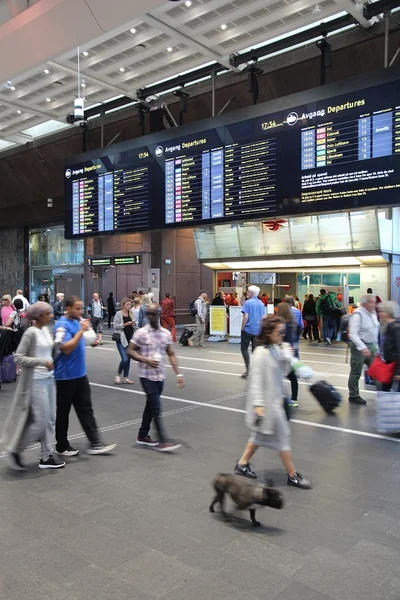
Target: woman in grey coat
(33, 411)
(265, 415)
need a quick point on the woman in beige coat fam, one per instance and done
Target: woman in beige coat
(33, 411)
(265, 415)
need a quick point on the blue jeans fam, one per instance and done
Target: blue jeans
(125, 363)
(152, 410)
(329, 326)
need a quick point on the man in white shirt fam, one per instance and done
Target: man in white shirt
(97, 315)
(363, 336)
(198, 337)
(19, 295)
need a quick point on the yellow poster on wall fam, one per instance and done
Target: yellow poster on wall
(217, 320)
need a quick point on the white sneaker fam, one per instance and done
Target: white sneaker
(328, 341)
(117, 380)
(100, 448)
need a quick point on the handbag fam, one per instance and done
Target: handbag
(116, 337)
(381, 371)
(388, 412)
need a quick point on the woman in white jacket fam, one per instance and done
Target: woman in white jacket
(265, 415)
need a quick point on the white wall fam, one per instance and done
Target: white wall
(377, 278)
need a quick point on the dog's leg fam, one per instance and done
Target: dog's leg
(222, 503)
(253, 517)
(213, 503)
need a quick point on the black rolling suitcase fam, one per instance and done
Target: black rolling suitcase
(187, 333)
(328, 397)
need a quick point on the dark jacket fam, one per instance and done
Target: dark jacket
(309, 310)
(58, 310)
(391, 345)
(218, 301)
(111, 305)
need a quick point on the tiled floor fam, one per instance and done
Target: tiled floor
(136, 524)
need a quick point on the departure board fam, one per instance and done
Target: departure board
(323, 150)
(110, 195)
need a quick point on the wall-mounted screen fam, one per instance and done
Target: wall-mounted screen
(321, 155)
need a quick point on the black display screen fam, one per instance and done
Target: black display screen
(333, 154)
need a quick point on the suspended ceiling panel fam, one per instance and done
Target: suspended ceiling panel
(125, 46)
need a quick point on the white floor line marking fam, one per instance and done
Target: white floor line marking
(224, 362)
(242, 411)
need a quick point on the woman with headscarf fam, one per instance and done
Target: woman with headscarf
(33, 411)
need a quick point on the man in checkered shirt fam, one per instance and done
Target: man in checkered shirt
(148, 347)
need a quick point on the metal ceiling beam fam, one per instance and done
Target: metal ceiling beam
(356, 11)
(103, 84)
(293, 40)
(377, 8)
(28, 109)
(179, 35)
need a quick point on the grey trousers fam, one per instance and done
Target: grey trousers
(197, 338)
(357, 361)
(43, 417)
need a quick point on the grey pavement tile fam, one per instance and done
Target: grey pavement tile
(155, 573)
(49, 561)
(75, 500)
(115, 495)
(380, 557)
(298, 591)
(107, 551)
(94, 583)
(378, 528)
(264, 555)
(206, 587)
(338, 577)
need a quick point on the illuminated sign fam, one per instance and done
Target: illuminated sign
(128, 260)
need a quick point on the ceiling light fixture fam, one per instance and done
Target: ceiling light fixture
(83, 84)
(48, 99)
(12, 87)
(317, 9)
(46, 72)
(169, 49)
(19, 112)
(224, 26)
(122, 69)
(86, 53)
(188, 3)
(133, 30)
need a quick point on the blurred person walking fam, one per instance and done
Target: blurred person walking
(33, 411)
(59, 306)
(265, 416)
(149, 347)
(363, 343)
(324, 308)
(6, 308)
(389, 317)
(20, 296)
(123, 329)
(97, 315)
(285, 313)
(111, 308)
(168, 315)
(73, 387)
(310, 317)
(298, 323)
(201, 317)
(253, 312)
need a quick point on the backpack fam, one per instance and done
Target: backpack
(192, 308)
(326, 306)
(21, 321)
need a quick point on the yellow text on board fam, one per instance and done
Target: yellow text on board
(218, 320)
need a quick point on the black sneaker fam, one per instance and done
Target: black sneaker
(245, 375)
(14, 462)
(145, 440)
(299, 481)
(245, 470)
(357, 400)
(51, 463)
(70, 451)
(100, 448)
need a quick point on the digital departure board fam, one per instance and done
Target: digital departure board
(318, 151)
(110, 194)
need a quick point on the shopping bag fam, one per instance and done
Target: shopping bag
(388, 412)
(381, 371)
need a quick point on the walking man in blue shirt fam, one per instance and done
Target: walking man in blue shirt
(73, 387)
(253, 312)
